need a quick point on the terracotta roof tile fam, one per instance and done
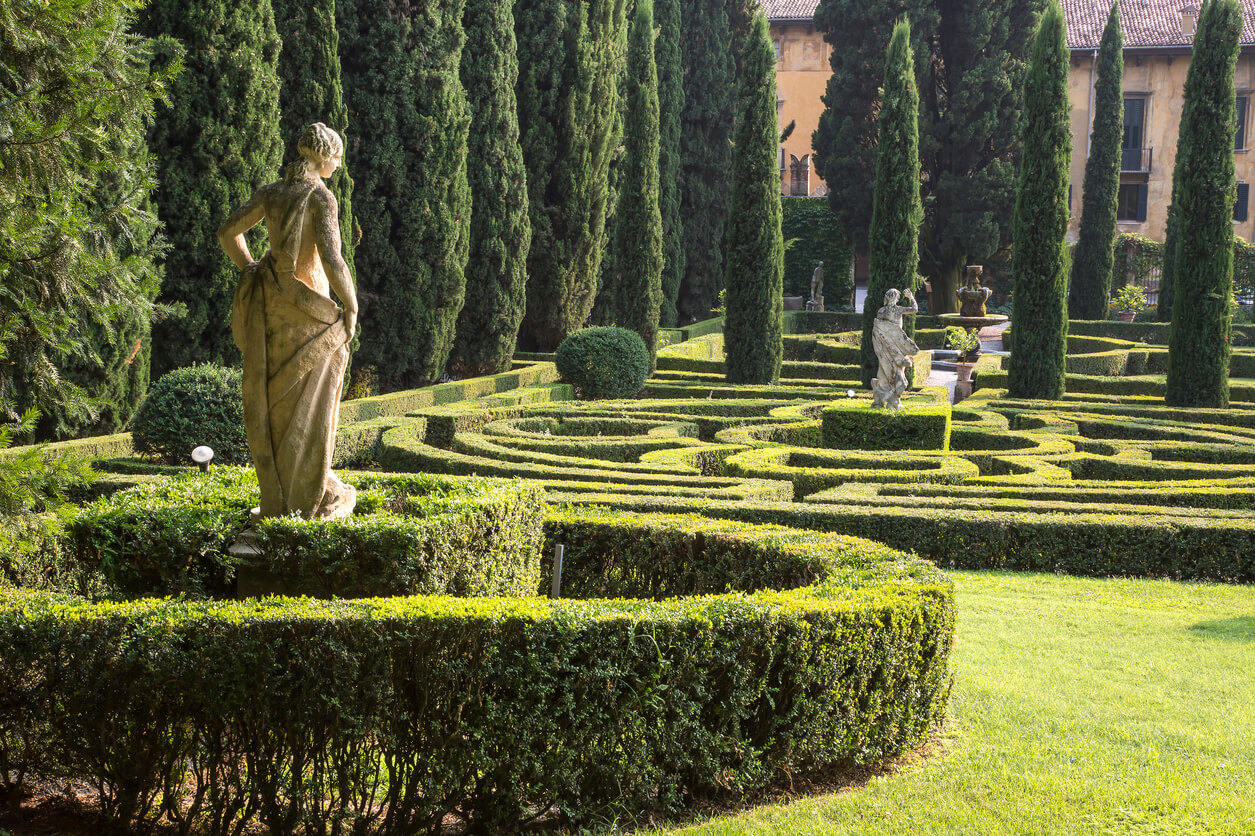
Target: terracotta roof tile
(1146, 22)
(790, 9)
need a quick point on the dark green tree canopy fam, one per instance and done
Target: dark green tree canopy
(753, 337)
(215, 145)
(706, 152)
(408, 148)
(496, 269)
(1095, 253)
(896, 210)
(638, 227)
(1198, 347)
(1037, 365)
(969, 63)
(78, 238)
(570, 60)
(667, 15)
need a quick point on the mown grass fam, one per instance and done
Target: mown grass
(1080, 706)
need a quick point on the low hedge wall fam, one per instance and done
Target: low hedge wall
(1094, 544)
(1151, 333)
(857, 425)
(410, 534)
(386, 716)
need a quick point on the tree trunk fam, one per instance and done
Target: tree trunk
(946, 284)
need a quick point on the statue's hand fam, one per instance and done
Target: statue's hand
(350, 324)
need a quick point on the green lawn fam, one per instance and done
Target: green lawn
(1080, 706)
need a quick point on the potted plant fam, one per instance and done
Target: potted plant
(967, 344)
(1128, 301)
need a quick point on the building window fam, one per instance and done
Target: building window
(1131, 202)
(800, 180)
(775, 42)
(1240, 208)
(1134, 122)
(782, 158)
(1239, 139)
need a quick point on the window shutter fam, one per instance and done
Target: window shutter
(1244, 198)
(1142, 190)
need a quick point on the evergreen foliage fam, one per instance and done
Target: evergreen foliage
(570, 61)
(1039, 268)
(1198, 345)
(604, 362)
(192, 406)
(1095, 253)
(753, 337)
(404, 93)
(638, 227)
(893, 240)
(670, 114)
(215, 145)
(705, 152)
(311, 91)
(969, 58)
(78, 239)
(1167, 271)
(488, 325)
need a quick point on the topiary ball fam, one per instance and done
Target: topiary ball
(189, 407)
(604, 362)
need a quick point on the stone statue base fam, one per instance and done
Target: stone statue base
(816, 304)
(887, 396)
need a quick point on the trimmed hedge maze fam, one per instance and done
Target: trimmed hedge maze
(750, 589)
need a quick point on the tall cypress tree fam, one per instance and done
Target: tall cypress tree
(1198, 343)
(215, 144)
(402, 86)
(1037, 363)
(1095, 251)
(893, 240)
(638, 226)
(311, 91)
(670, 115)
(706, 152)
(570, 59)
(496, 270)
(753, 336)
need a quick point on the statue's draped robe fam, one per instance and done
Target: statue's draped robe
(295, 352)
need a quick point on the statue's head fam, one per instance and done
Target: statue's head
(321, 148)
(892, 296)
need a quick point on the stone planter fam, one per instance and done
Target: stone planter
(1126, 316)
(964, 371)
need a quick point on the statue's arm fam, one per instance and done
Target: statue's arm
(231, 234)
(326, 218)
(914, 308)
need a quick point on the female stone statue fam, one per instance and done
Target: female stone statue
(294, 337)
(894, 350)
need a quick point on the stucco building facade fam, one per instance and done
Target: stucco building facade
(1158, 38)
(802, 72)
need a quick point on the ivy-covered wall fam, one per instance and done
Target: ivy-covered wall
(811, 234)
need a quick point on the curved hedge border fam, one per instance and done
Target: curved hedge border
(387, 715)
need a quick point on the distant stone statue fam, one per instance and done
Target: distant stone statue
(972, 297)
(294, 337)
(816, 302)
(894, 350)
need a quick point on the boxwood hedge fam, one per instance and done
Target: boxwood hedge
(390, 715)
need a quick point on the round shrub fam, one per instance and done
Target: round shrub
(189, 407)
(604, 362)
